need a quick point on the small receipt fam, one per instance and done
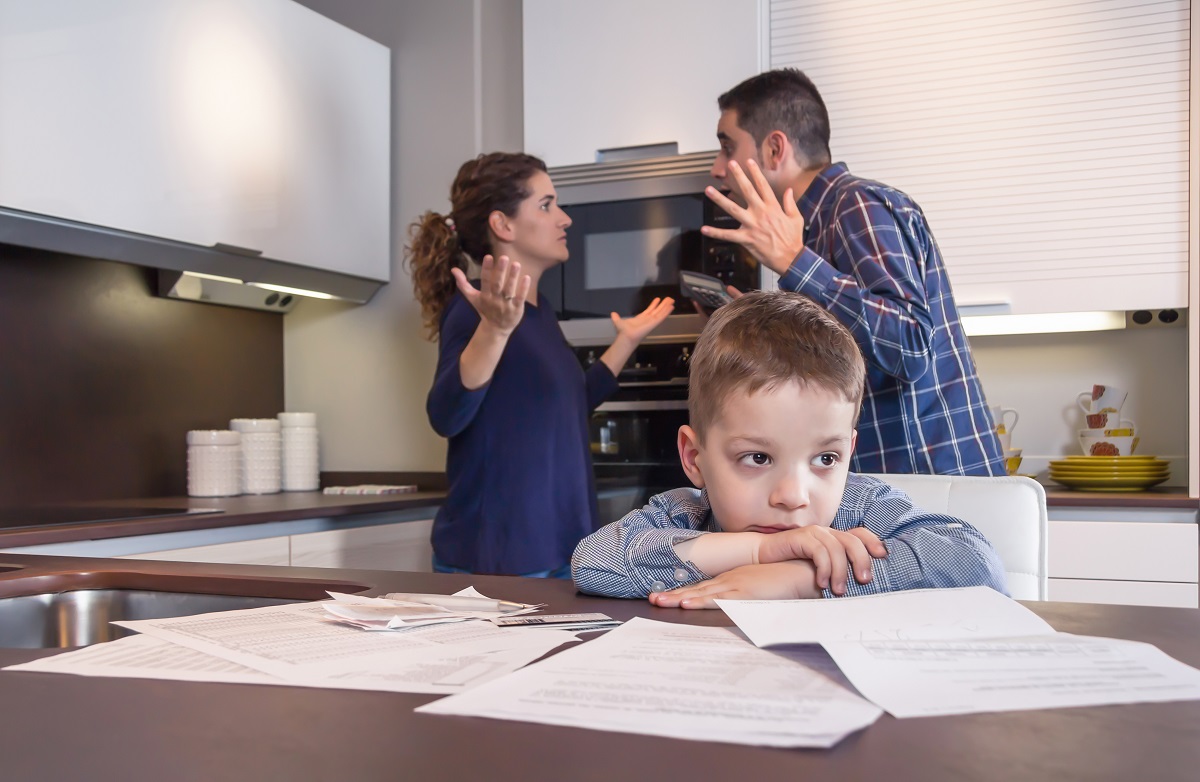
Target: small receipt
(558, 621)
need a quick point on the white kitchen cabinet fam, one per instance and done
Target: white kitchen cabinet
(258, 124)
(1135, 562)
(402, 546)
(1003, 120)
(399, 546)
(626, 73)
(265, 551)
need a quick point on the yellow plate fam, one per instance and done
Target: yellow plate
(1110, 484)
(1116, 475)
(1113, 459)
(1119, 466)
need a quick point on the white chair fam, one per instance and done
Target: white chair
(1009, 511)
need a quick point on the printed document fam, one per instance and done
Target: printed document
(678, 681)
(959, 651)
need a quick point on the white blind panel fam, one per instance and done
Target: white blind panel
(1045, 139)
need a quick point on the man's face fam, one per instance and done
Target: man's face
(774, 460)
(735, 144)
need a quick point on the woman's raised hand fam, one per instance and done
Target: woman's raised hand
(500, 300)
(636, 327)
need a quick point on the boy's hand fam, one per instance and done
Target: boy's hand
(832, 552)
(778, 581)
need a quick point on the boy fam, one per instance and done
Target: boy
(775, 386)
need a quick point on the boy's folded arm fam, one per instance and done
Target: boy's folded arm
(927, 556)
(636, 555)
(621, 563)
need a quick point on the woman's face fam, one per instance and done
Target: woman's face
(539, 228)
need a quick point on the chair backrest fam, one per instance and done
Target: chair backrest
(1009, 511)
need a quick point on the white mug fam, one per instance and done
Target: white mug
(1101, 399)
(1000, 416)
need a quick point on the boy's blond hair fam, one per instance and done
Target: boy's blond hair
(765, 340)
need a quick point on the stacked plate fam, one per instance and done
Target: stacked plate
(1110, 473)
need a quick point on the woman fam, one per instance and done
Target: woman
(509, 393)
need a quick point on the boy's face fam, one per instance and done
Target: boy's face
(773, 460)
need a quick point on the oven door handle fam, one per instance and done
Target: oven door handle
(622, 407)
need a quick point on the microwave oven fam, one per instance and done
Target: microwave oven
(629, 240)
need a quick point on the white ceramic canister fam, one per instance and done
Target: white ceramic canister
(214, 463)
(301, 468)
(261, 454)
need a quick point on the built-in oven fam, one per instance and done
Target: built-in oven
(635, 226)
(634, 433)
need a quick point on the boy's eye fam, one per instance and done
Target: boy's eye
(828, 459)
(758, 459)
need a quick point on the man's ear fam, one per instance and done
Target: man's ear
(689, 451)
(776, 149)
(500, 226)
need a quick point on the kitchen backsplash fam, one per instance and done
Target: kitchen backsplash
(101, 380)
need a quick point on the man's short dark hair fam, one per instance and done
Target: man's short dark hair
(786, 100)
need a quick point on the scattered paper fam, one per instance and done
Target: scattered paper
(939, 677)
(679, 681)
(147, 657)
(961, 651)
(968, 612)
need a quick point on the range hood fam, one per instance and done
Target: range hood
(248, 277)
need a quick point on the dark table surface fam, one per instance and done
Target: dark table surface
(59, 727)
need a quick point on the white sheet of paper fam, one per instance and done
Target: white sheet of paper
(680, 681)
(968, 612)
(939, 677)
(147, 657)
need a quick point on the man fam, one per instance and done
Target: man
(865, 252)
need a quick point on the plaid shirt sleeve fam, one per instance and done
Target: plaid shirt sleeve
(925, 550)
(883, 301)
(635, 556)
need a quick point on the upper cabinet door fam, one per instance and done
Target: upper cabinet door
(625, 73)
(1048, 142)
(253, 123)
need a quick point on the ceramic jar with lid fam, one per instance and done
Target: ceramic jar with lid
(261, 454)
(301, 468)
(214, 463)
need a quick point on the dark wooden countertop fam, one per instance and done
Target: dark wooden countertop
(63, 727)
(1060, 496)
(236, 511)
(289, 506)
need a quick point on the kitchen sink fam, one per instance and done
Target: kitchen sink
(78, 608)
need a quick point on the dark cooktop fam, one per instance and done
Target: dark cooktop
(49, 515)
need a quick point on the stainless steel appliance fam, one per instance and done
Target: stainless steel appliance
(635, 227)
(633, 434)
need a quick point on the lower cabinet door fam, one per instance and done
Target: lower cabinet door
(1136, 593)
(264, 551)
(401, 546)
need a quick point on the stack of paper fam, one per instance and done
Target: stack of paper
(388, 613)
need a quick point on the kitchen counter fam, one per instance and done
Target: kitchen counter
(69, 727)
(236, 511)
(289, 506)
(1175, 497)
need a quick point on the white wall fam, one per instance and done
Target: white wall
(1040, 376)
(456, 91)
